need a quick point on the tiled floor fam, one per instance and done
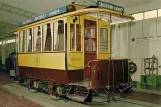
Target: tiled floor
(9, 100)
(4, 78)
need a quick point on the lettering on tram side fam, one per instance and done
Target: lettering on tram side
(46, 15)
(106, 5)
(26, 22)
(75, 59)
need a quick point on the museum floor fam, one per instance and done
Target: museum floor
(14, 95)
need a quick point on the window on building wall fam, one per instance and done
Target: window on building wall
(10, 41)
(138, 16)
(37, 39)
(78, 37)
(159, 12)
(59, 36)
(103, 39)
(47, 37)
(29, 40)
(150, 14)
(22, 41)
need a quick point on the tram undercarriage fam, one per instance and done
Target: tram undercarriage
(115, 80)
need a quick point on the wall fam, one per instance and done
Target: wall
(145, 48)
(154, 4)
(7, 48)
(141, 48)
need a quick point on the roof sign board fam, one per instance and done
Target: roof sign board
(44, 16)
(106, 5)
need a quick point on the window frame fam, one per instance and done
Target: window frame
(100, 40)
(64, 22)
(141, 13)
(19, 41)
(150, 12)
(31, 41)
(42, 40)
(36, 38)
(75, 38)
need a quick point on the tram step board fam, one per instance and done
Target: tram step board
(75, 97)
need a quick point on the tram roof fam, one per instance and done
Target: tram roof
(111, 15)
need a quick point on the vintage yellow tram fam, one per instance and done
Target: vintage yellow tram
(70, 47)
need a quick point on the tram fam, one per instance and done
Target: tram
(70, 49)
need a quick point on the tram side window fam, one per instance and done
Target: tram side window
(29, 40)
(37, 39)
(22, 41)
(103, 39)
(47, 37)
(59, 35)
(78, 37)
(75, 40)
(72, 37)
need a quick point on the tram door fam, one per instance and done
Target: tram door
(90, 44)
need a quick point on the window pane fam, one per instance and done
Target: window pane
(159, 12)
(72, 37)
(29, 40)
(22, 41)
(90, 42)
(59, 36)
(47, 37)
(10, 41)
(150, 14)
(78, 37)
(138, 16)
(37, 39)
(103, 39)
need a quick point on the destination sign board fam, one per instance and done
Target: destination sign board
(44, 16)
(106, 5)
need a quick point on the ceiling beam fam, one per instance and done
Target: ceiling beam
(18, 11)
(4, 34)
(87, 2)
(6, 25)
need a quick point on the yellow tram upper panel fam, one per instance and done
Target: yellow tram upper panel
(79, 10)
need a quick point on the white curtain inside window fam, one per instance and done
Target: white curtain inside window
(72, 37)
(44, 35)
(35, 37)
(56, 39)
(21, 41)
(103, 39)
(28, 39)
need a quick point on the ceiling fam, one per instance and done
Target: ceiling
(12, 12)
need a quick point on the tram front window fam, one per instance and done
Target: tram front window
(90, 35)
(90, 40)
(103, 39)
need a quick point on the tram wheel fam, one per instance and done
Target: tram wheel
(59, 90)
